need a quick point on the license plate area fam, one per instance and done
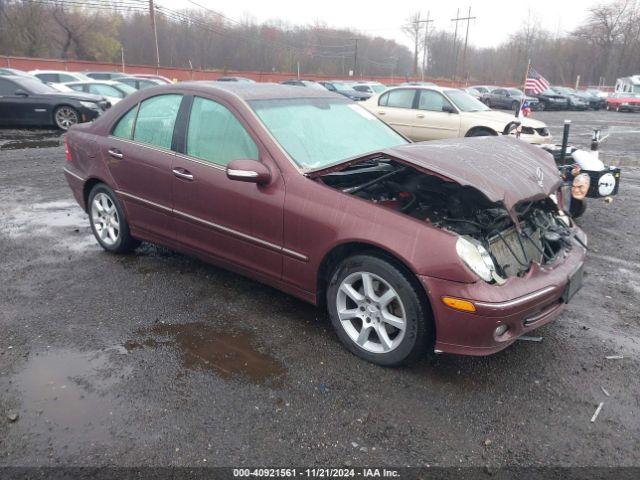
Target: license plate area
(574, 284)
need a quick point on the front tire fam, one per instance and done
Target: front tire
(108, 221)
(377, 311)
(65, 116)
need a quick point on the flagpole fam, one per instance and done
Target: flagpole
(524, 90)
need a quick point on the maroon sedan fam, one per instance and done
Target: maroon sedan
(458, 246)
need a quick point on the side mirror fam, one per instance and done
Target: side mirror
(250, 171)
(21, 93)
(448, 108)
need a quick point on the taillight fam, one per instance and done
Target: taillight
(67, 150)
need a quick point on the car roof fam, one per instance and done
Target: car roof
(257, 91)
(435, 88)
(86, 82)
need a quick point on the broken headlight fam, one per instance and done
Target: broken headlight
(477, 258)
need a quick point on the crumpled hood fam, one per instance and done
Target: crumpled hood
(504, 169)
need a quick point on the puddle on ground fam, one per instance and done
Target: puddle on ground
(201, 346)
(50, 219)
(62, 396)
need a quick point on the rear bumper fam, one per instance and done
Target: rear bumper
(76, 184)
(522, 304)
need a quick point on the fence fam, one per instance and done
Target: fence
(24, 63)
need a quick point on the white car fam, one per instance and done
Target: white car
(59, 76)
(433, 113)
(112, 90)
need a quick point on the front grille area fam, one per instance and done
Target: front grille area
(507, 250)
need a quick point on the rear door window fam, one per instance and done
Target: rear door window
(48, 77)
(402, 98)
(216, 136)
(156, 119)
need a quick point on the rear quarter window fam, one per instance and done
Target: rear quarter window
(124, 126)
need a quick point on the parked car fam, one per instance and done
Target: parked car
(408, 245)
(596, 102)
(369, 87)
(111, 90)
(140, 83)
(26, 101)
(433, 113)
(509, 98)
(303, 83)
(477, 94)
(624, 101)
(344, 89)
(484, 90)
(575, 101)
(105, 75)
(14, 72)
(551, 100)
(235, 79)
(159, 78)
(58, 76)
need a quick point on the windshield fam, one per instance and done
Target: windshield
(465, 102)
(33, 85)
(128, 89)
(319, 132)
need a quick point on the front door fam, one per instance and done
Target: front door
(139, 158)
(237, 222)
(435, 117)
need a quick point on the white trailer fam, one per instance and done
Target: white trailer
(628, 84)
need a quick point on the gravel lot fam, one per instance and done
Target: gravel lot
(159, 359)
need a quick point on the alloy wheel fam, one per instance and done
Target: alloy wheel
(65, 117)
(371, 312)
(104, 216)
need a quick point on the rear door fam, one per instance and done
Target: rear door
(432, 121)
(396, 108)
(239, 222)
(139, 157)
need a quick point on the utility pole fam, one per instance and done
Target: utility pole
(355, 59)
(468, 18)
(152, 16)
(424, 44)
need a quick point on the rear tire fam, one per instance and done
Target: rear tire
(108, 222)
(378, 312)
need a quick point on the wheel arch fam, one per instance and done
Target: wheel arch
(63, 104)
(87, 187)
(479, 128)
(343, 250)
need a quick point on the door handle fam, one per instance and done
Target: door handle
(182, 173)
(115, 153)
(381, 113)
(420, 115)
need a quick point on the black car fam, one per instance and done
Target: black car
(509, 98)
(576, 102)
(551, 100)
(26, 101)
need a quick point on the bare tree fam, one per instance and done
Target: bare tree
(412, 29)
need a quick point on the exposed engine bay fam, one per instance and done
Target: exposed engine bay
(542, 235)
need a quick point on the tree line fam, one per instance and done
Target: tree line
(604, 47)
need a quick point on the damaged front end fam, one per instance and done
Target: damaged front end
(496, 239)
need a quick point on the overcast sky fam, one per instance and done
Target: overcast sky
(496, 19)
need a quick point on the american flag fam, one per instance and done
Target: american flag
(536, 83)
